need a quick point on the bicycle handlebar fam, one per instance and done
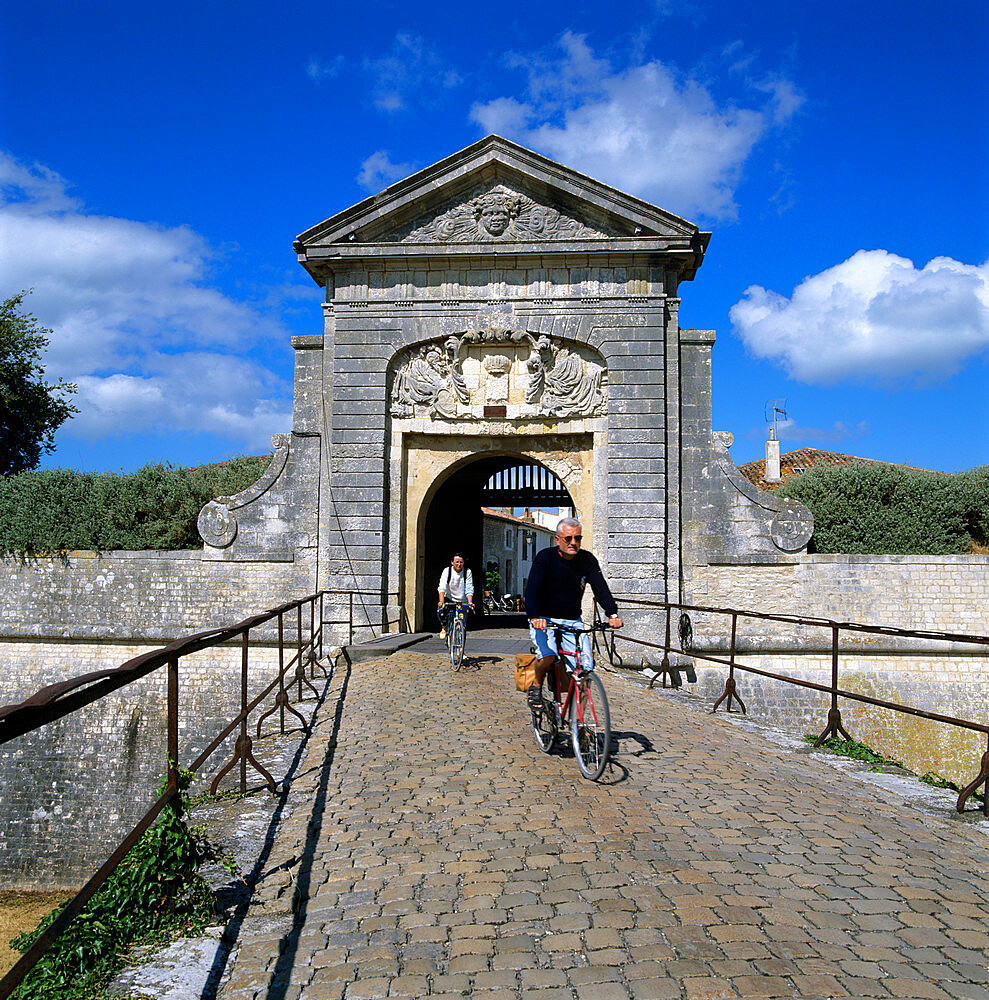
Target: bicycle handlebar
(596, 627)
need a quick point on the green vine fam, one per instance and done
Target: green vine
(155, 894)
(935, 780)
(856, 751)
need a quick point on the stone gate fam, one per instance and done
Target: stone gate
(499, 306)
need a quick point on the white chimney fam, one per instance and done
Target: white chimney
(772, 474)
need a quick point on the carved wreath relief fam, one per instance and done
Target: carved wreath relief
(454, 378)
(499, 213)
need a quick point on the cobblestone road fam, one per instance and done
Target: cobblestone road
(428, 849)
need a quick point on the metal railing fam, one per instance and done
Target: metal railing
(956, 642)
(295, 655)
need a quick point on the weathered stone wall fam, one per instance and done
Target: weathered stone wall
(725, 518)
(934, 593)
(83, 781)
(72, 790)
(946, 593)
(370, 526)
(141, 595)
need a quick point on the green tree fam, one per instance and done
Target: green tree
(31, 410)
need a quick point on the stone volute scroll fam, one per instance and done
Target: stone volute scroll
(791, 524)
(217, 523)
(501, 214)
(533, 375)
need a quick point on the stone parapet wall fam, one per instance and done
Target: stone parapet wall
(933, 593)
(82, 782)
(141, 595)
(948, 685)
(940, 593)
(73, 789)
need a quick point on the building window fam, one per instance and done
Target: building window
(508, 538)
(525, 544)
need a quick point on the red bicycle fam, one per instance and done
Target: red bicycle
(584, 711)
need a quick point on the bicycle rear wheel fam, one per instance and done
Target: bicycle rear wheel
(590, 726)
(457, 639)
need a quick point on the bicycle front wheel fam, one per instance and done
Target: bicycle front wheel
(590, 727)
(457, 639)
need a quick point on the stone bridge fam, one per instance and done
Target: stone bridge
(426, 848)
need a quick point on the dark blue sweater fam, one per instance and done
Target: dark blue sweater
(556, 584)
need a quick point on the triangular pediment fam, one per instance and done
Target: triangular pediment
(501, 212)
(497, 195)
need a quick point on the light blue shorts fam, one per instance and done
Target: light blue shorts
(545, 642)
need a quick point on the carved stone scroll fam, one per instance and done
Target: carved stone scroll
(217, 523)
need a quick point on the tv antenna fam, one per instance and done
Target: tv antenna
(775, 408)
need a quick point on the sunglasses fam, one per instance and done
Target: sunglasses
(572, 538)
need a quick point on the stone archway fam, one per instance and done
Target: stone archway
(453, 520)
(431, 463)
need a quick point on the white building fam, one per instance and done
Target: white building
(510, 543)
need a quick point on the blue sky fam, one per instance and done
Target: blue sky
(156, 163)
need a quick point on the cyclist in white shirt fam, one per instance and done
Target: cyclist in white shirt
(457, 587)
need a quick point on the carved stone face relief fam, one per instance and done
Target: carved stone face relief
(498, 213)
(536, 376)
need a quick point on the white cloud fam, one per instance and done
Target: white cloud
(324, 69)
(412, 67)
(874, 315)
(790, 430)
(377, 171)
(135, 325)
(644, 128)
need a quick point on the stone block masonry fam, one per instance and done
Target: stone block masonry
(933, 593)
(72, 790)
(141, 595)
(81, 783)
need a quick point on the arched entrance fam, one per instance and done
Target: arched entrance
(454, 520)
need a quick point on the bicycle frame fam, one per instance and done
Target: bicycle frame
(562, 655)
(457, 626)
(583, 710)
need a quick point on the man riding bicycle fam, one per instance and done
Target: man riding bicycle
(552, 597)
(456, 586)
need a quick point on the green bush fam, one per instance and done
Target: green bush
(57, 510)
(865, 508)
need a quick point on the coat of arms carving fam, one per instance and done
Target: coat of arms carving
(453, 378)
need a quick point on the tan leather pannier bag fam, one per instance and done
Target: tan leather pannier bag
(525, 670)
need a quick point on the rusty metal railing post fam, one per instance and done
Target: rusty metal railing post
(243, 748)
(731, 691)
(982, 778)
(834, 726)
(300, 667)
(243, 708)
(664, 666)
(312, 638)
(280, 697)
(173, 726)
